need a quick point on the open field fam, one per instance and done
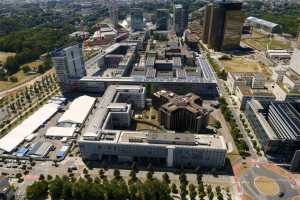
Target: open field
(260, 42)
(5, 55)
(21, 76)
(239, 64)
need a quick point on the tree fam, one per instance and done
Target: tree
(166, 178)
(209, 189)
(192, 191)
(174, 188)
(133, 177)
(211, 196)
(41, 69)
(26, 69)
(56, 188)
(13, 79)
(117, 174)
(101, 173)
(85, 171)
(182, 179)
(149, 175)
(42, 177)
(37, 191)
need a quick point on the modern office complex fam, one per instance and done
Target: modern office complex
(181, 112)
(179, 19)
(167, 149)
(137, 19)
(69, 64)
(107, 136)
(171, 67)
(162, 19)
(223, 25)
(277, 128)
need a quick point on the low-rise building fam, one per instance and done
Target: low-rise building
(250, 79)
(245, 93)
(169, 149)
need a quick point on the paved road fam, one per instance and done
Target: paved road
(5, 92)
(236, 113)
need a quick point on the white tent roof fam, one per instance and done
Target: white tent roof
(78, 110)
(16, 136)
(60, 131)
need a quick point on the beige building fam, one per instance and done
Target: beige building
(250, 79)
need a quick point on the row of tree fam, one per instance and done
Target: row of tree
(100, 188)
(235, 131)
(68, 187)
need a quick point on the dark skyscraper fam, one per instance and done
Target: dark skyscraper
(137, 19)
(223, 25)
(162, 21)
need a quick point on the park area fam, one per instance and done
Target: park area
(20, 76)
(242, 64)
(260, 41)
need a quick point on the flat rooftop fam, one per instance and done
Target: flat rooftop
(163, 139)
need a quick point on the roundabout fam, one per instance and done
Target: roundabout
(266, 186)
(265, 181)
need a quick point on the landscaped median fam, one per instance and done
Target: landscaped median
(234, 130)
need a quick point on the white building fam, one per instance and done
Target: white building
(69, 64)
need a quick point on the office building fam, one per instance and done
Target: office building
(249, 79)
(162, 20)
(245, 93)
(137, 19)
(194, 72)
(223, 25)
(69, 64)
(277, 128)
(181, 113)
(163, 149)
(179, 19)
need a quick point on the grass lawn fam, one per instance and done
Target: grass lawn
(238, 64)
(4, 85)
(5, 55)
(260, 41)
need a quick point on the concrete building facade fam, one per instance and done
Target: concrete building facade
(69, 64)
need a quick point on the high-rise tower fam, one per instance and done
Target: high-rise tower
(69, 64)
(114, 12)
(162, 19)
(137, 19)
(223, 25)
(178, 19)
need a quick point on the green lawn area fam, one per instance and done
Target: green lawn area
(260, 41)
(21, 76)
(239, 64)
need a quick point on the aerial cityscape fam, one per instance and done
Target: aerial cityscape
(150, 99)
